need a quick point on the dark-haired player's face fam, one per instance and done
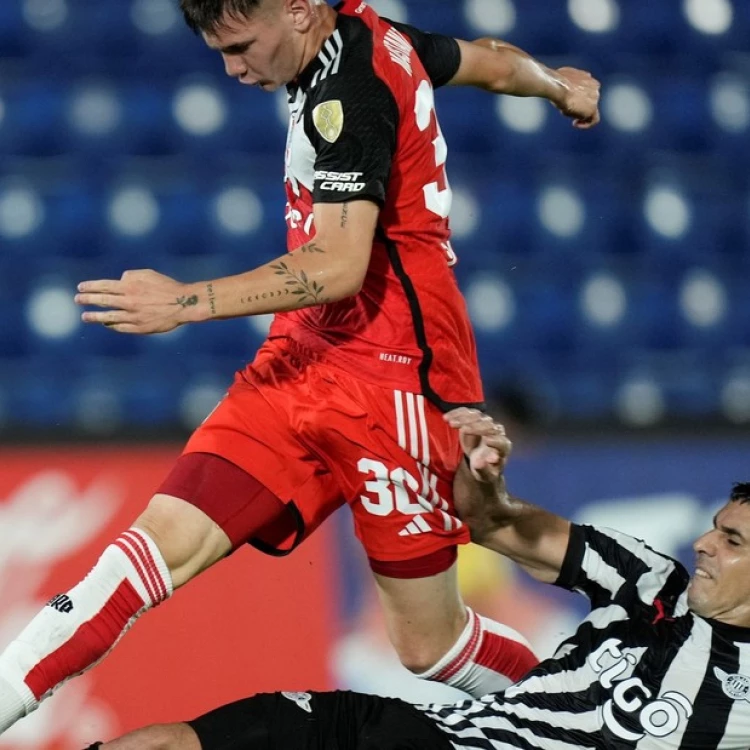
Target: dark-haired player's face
(263, 50)
(720, 586)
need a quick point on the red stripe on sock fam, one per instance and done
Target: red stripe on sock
(466, 654)
(138, 568)
(505, 655)
(89, 643)
(148, 559)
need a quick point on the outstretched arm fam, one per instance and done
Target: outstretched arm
(330, 267)
(529, 535)
(501, 68)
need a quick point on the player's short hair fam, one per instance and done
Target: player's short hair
(206, 15)
(740, 492)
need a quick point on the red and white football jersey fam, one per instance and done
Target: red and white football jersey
(363, 126)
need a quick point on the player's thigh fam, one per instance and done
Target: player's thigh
(397, 725)
(423, 616)
(254, 431)
(288, 721)
(395, 462)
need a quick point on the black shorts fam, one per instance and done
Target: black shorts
(318, 721)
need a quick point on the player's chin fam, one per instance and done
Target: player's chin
(269, 86)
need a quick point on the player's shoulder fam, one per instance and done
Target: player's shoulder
(347, 69)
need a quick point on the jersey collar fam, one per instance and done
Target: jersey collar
(730, 632)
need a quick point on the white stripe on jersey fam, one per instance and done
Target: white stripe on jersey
(599, 571)
(684, 676)
(463, 737)
(601, 617)
(573, 680)
(330, 56)
(660, 566)
(425, 433)
(738, 725)
(413, 428)
(400, 427)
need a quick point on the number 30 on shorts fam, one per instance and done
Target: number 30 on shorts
(390, 490)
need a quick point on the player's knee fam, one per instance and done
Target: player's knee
(187, 538)
(418, 656)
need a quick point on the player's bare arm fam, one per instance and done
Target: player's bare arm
(501, 68)
(330, 267)
(529, 535)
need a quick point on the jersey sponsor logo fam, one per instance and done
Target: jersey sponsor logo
(735, 686)
(328, 119)
(343, 182)
(301, 699)
(398, 359)
(361, 8)
(657, 717)
(343, 187)
(62, 603)
(399, 49)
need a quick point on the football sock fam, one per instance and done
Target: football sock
(77, 629)
(487, 657)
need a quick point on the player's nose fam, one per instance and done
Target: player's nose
(234, 67)
(704, 544)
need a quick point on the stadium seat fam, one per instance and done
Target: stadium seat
(589, 259)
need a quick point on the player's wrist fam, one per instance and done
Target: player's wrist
(200, 307)
(559, 91)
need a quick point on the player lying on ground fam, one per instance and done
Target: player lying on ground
(371, 343)
(662, 660)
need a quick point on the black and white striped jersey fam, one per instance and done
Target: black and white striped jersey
(641, 672)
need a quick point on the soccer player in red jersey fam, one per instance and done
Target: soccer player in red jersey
(371, 343)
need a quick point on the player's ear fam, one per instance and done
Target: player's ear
(302, 13)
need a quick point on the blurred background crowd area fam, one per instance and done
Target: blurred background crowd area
(606, 272)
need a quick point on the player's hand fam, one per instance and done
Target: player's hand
(139, 302)
(580, 101)
(483, 442)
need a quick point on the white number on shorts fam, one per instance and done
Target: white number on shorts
(389, 491)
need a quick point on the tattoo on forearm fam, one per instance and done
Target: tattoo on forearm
(299, 284)
(211, 298)
(187, 301)
(344, 214)
(311, 247)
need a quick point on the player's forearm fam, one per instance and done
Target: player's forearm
(487, 507)
(525, 533)
(509, 70)
(311, 275)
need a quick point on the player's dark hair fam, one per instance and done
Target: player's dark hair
(206, 15)
(740, 492)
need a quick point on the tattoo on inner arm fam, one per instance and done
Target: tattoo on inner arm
(298, 283)
(344, 214)
(311, 247)
(211, 298)
(187, 301)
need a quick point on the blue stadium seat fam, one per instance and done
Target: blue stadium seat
(91, 28)
(14, 40)
(685, 210)
(209, 201)
(33, 118)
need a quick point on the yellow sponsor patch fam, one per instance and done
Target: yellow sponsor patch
(328, 119)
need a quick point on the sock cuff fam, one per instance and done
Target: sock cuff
(504, 631)
(149, 564)
(461, 652)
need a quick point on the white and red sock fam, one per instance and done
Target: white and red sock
(78, 629)
(486, 658)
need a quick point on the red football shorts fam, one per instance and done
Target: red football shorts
(318, 437)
